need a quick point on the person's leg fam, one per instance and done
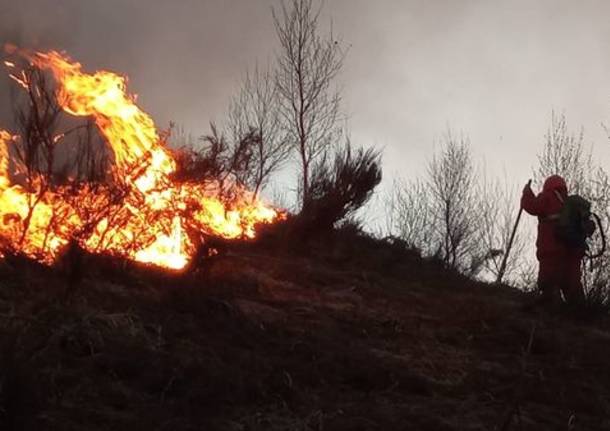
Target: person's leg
(548, 280)
(572, 284)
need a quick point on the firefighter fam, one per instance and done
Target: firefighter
(559, 262)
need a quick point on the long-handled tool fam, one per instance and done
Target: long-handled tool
(510, 244)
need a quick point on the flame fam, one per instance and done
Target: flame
(5, 138)
(149, 221)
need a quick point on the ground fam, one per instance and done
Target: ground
(345, 333)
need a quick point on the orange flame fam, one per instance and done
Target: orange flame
(149, 222)
(5, 138)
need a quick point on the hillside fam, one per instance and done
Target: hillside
(348, 333)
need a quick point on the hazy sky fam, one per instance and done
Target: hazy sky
(491, 69)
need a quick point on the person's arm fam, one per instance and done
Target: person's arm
(531, 203)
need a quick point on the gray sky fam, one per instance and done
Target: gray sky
(491, 69)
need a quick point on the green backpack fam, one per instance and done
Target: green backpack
(574, 224)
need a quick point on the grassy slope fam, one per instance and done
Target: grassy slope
(350, 335)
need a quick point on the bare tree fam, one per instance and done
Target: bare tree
(255, 110)
(307, 64)
(455, 205)
(564, 154)
(42, 128)
(37, 118)
(442, 214)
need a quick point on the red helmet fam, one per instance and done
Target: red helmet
(555, 182)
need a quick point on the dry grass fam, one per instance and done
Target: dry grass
(346, 334)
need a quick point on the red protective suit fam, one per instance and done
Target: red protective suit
(560, 266)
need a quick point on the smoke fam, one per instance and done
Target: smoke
(183, 59)
(494, 70)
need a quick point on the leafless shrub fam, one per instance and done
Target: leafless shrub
(255, 110)
(219, 160)
(454, 214)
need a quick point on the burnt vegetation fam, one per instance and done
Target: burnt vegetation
(350, 333)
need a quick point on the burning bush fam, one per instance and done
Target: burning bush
(142, 212)
(229, 165)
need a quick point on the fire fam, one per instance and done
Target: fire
(142, 215)
(5, 138)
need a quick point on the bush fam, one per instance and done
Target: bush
(339, 189)
(218, 160)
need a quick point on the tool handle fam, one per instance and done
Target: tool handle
(510, 243)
